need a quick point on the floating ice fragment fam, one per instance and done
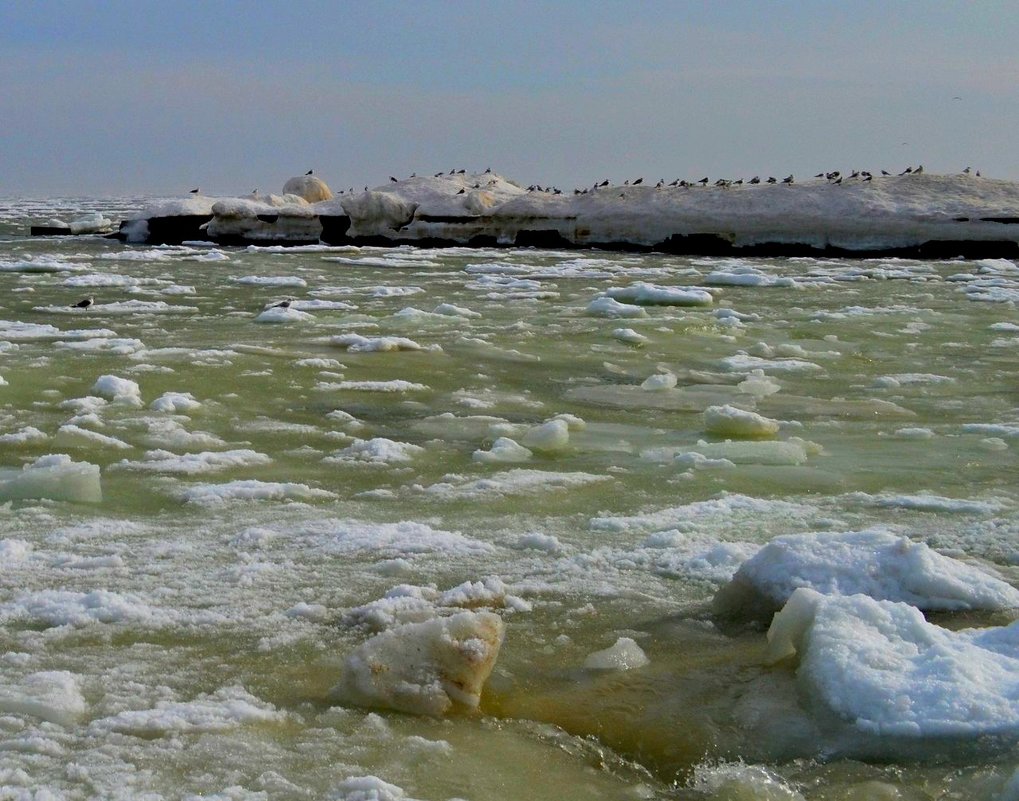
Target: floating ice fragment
(55, 476)
(118, 390)
(427, 668)
(873, 562)
(886, 671)
(355, 343)
(251, 490)
(378, 450)
(625, 654)
(175, 403)
(367, 788)
(654, 295)
(550, 437)
(659, 382)
(504, 451)
(729, 421)
(72, 436)
(608, 307)
(52, 695)
(222, 710)
(629, 336)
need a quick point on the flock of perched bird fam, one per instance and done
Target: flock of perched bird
(835, 177)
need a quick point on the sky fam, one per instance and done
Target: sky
(157, 97)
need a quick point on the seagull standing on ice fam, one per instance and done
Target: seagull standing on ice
(194, 191)
(83, 304)
(283, 304)
(309, 172)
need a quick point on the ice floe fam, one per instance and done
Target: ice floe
(881, 667)
(873, 562)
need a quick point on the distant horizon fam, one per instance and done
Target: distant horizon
(153, 99)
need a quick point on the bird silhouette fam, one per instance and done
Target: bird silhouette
(83, 304)
(309, 172)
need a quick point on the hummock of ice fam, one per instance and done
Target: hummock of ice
(875, 563)
(429, 668)
(309, 187)
(884, 669)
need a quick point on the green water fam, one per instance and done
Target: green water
(900, 367)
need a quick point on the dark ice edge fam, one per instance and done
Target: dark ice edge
(174, 230)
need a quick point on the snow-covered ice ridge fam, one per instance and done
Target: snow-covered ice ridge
(917, 215)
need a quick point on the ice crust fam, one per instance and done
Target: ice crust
(873, 562)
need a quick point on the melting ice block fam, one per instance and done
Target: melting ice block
(874, 562)
(428, 668)
(56, 477)
(883, 668)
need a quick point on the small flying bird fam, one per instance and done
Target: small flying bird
(83, 304)
(488, 171)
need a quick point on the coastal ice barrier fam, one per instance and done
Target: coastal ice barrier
(915, 215)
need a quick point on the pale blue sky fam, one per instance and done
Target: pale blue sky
(157, 97)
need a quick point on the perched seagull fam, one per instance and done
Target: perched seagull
(918, 170)
(788, 179)
(772, 179)
(283, 304)
(309, 172)
(391, 178)
(83, 304)
(461, 191)
(194, 191)
(885, 172)
(703, 182)
(638, 181)
(966, 171)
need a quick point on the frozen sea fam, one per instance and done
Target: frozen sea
(225, 498)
